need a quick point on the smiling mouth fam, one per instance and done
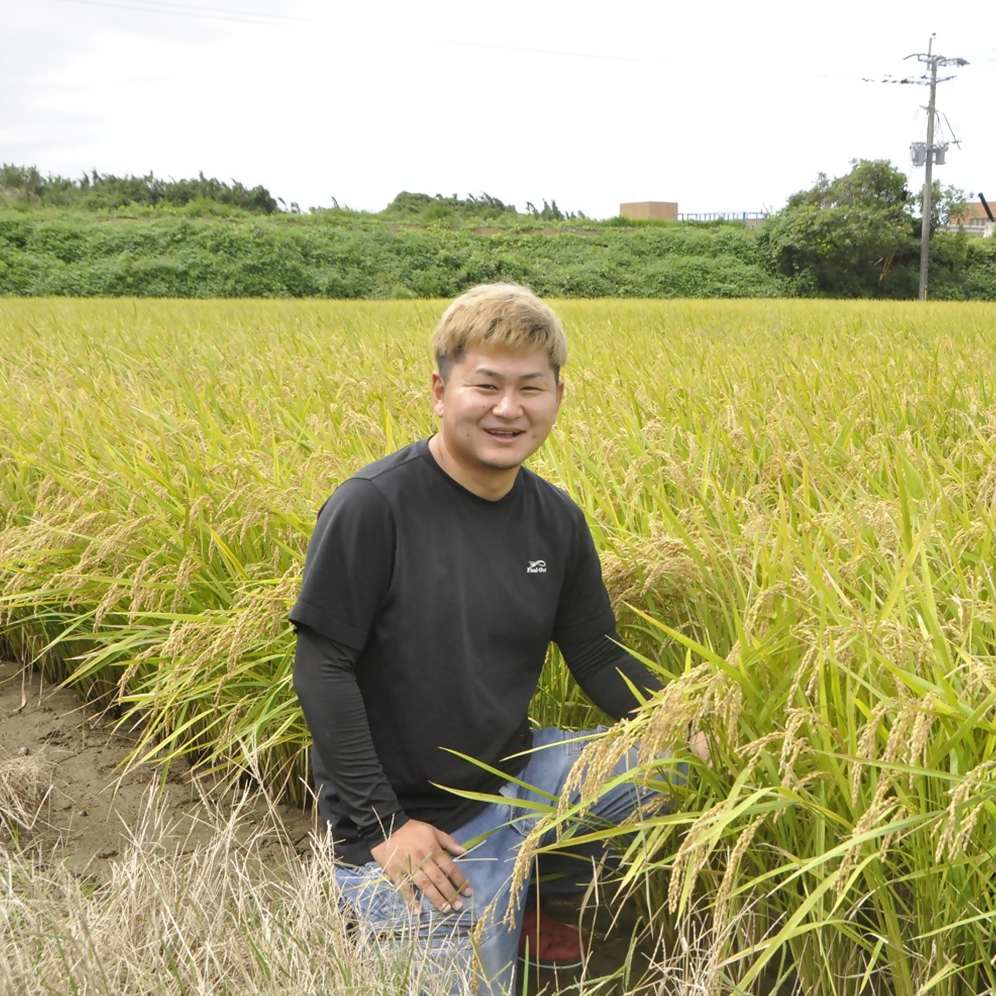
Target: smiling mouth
(505, 433)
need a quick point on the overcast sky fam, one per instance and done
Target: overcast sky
(720, 106)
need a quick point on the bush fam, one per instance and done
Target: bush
(181, 254)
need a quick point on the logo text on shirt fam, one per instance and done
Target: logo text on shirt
(536, 567)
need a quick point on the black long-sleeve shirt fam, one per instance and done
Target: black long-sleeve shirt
(325, 682)
(425, 613)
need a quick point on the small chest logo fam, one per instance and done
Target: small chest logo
(536, 567)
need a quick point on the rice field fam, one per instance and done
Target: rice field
(795, 504)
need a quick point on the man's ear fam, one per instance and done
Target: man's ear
(438, 391)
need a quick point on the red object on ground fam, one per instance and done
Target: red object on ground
(550, 943)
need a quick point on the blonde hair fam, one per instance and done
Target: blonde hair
(501, 316)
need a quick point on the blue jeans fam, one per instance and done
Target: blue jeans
(446, 943)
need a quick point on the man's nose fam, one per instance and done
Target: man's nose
(507, 405)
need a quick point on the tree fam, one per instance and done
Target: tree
(947, 207)
(104, 191)
(847, 237)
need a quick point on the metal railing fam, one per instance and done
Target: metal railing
(749, 218)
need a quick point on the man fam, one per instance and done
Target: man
(434, 583)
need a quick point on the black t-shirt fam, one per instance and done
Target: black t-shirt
(451, 601)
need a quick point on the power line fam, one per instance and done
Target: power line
(252, 17)
(564, 53)
(196, 11)
(214, 13)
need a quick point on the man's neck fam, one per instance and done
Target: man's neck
(489, 483)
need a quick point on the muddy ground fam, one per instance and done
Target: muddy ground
(94, 800)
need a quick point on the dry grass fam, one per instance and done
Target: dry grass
(238, 916)
(25, 789)
(226, 917)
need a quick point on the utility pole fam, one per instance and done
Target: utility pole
(933, 61)
(928, 186)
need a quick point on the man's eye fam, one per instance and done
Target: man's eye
(487, 387)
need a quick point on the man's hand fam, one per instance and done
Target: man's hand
(417, 854)
(699, 744)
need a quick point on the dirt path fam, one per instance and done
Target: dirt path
(93, 803)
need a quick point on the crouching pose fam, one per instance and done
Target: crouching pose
(434, 583)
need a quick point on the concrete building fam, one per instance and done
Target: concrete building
(974, 217)
(665, 210)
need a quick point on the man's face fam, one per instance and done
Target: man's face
(497, 408)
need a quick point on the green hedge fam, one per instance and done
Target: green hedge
(179, 257)
(62, 254)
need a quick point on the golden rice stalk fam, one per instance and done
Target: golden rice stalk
(866, 746)
(969, 799)
(744, 841)
(692, 855)
(880, 806)
(658, 564)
